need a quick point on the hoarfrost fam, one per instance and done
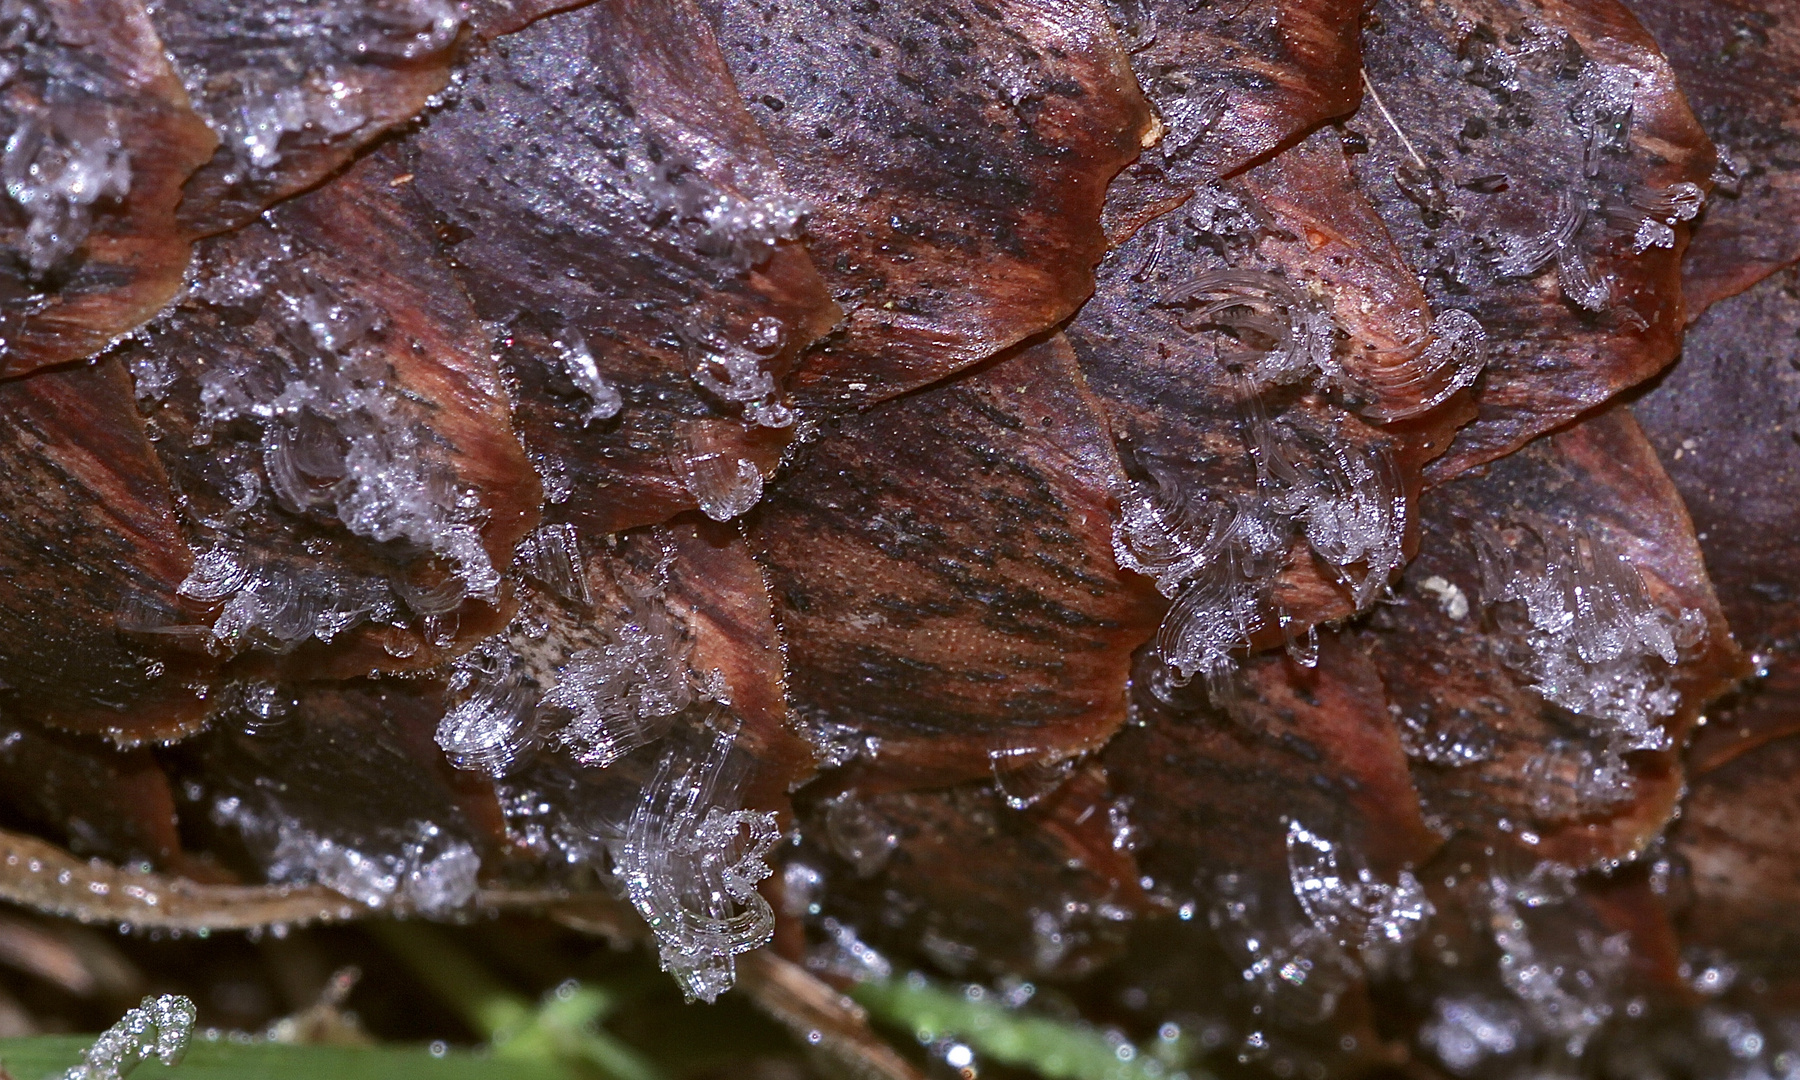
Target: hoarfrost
(1284, 335)
(1217, 559)
(1594, 642)
(1025, 776)
(276, 607)
(739, 232)
(1466, 1031)
(623, 695)
(577, 364)
(492, 727)
(159, 1027)
(859, 834)
(1525, 256)
(58, 166)
(337, 436)
(1651, 214)
(1566, 997)
(1351, 906)
(1453, 358)
(1298, 966)
(300, 86)
(690, 867)
(1601, 109)
(552, 554)
(428, 872)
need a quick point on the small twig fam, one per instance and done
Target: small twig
(1379, 104)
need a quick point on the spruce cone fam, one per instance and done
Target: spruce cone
(1276, 518)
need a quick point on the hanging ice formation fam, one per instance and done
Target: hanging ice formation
(1594, 642)
(690, 867)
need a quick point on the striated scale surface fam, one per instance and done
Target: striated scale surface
(1741, 483)
(964, 534)
(1553, 645)
(1231, 86)
(328, 408)
(99, 137)
(1738, 63)
(294, 89)
(967, 880)
(1538, 168)
(955, 158)
(650, 300)
(93, 561)
(1287, 823)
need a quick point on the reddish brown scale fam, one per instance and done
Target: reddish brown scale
(664, 141)
(293, 102)
(1477, 146)
(1741, 483)
(98, 77)
(966, 533)
(955, 160)
(351, 255)
(1738, 62)
(1442, 661)
(980, 887)
(1232, 85)
(93, 558)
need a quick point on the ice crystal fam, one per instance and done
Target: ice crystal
(724, 484)
(160, 1028)
(1466, 1031)
(740, 232)
(1024, 776)
(736, 371)
(1567, 997)
(1594, 641)
(623, 694)
(1450, 360)
(552, 555)
(1280, 334)
(690, 866)
(1651, 214)
(578, 366)
(859, 834)
(58, 166)
(1601, 109)
(298, 85)
(492, 726)
(1346, 902)
(337, 436)
(275, 607)
(427, 871)
(1217, 559)
(1524, 256)
(1297, 966)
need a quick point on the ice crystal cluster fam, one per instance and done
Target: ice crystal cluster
(690, 867)
(1347, 902)
(1565, 997)
(276, 607)
(425, 871)
(599, 702)
(59, 166)
(1594, 642)
(159, 1027)
(336, 438)
(1218, 559)
(272, 106)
